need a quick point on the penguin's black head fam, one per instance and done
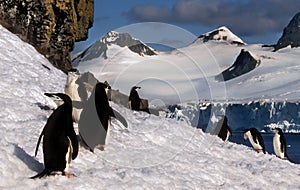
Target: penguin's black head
(73, 70)
(135, 88)
(246, 130)
(74, 74)
(59, 98)
(277, 130)
(107, 85)
(101, 85)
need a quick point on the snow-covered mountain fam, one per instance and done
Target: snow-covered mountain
(216, 71)
(222, 34)
(152, 153)
(190, 72)
(111, 43)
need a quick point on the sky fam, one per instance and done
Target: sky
(254, 21)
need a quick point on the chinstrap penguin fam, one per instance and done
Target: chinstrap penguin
(279, 144)
(95, 120)
(76, 90)
(255, 139)
(60, 144)
(135, 102)
(223, 129)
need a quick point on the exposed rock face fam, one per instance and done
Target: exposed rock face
(244, 63)
(291, 34)
(51, 26)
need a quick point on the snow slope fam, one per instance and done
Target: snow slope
(153, 153)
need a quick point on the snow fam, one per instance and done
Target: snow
(153, 153)
(188, 73)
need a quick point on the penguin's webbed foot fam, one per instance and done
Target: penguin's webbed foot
(68, 175)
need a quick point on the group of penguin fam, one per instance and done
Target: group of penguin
(92, 113)
(255, 138)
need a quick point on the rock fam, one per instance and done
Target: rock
(244, 63)
(51, 26)
(291, 34)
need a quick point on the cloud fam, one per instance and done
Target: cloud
(244, 17)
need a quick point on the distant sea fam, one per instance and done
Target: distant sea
(292, 139)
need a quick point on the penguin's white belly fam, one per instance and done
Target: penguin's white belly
(69, 155)
(72, 91)
(277, 145)
(256, 146)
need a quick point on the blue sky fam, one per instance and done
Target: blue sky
(255, 21)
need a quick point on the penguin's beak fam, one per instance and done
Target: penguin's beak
(48, 94)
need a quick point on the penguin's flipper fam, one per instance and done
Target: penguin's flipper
(119, 117)
(39, 141)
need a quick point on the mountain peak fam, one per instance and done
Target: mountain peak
(125, 39)
(103, 46)
(221, 34)
(291, 34)
(110, 37)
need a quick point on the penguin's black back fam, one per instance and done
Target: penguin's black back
(135, 99)
(282, 142)
(223, 128)
(104, 111)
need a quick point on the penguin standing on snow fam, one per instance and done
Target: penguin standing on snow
(135, 102)
(279, 144)
(95, 120)
(255, 139)
(223, 129)
(60, 144)
(75, 89)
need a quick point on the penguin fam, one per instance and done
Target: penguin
(255, 139)
(279, 144)
(135, 102)
(134, 99)
(60, 144)
(76, 90)
(108, 90)
(223, 129)
(95, 120)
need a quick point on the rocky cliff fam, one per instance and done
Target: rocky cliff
(51, 26)
(291, 34)
(244, 63)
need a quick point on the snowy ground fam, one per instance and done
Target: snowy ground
(153, 153)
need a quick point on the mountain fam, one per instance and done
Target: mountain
(213, 72)
(114, 41)
(244, 63)
(221, 34)
(152, 153)
(191, 73)
(291, 34)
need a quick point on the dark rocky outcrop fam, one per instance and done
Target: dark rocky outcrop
(244, 63)
(51, 26)
(291, 34)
